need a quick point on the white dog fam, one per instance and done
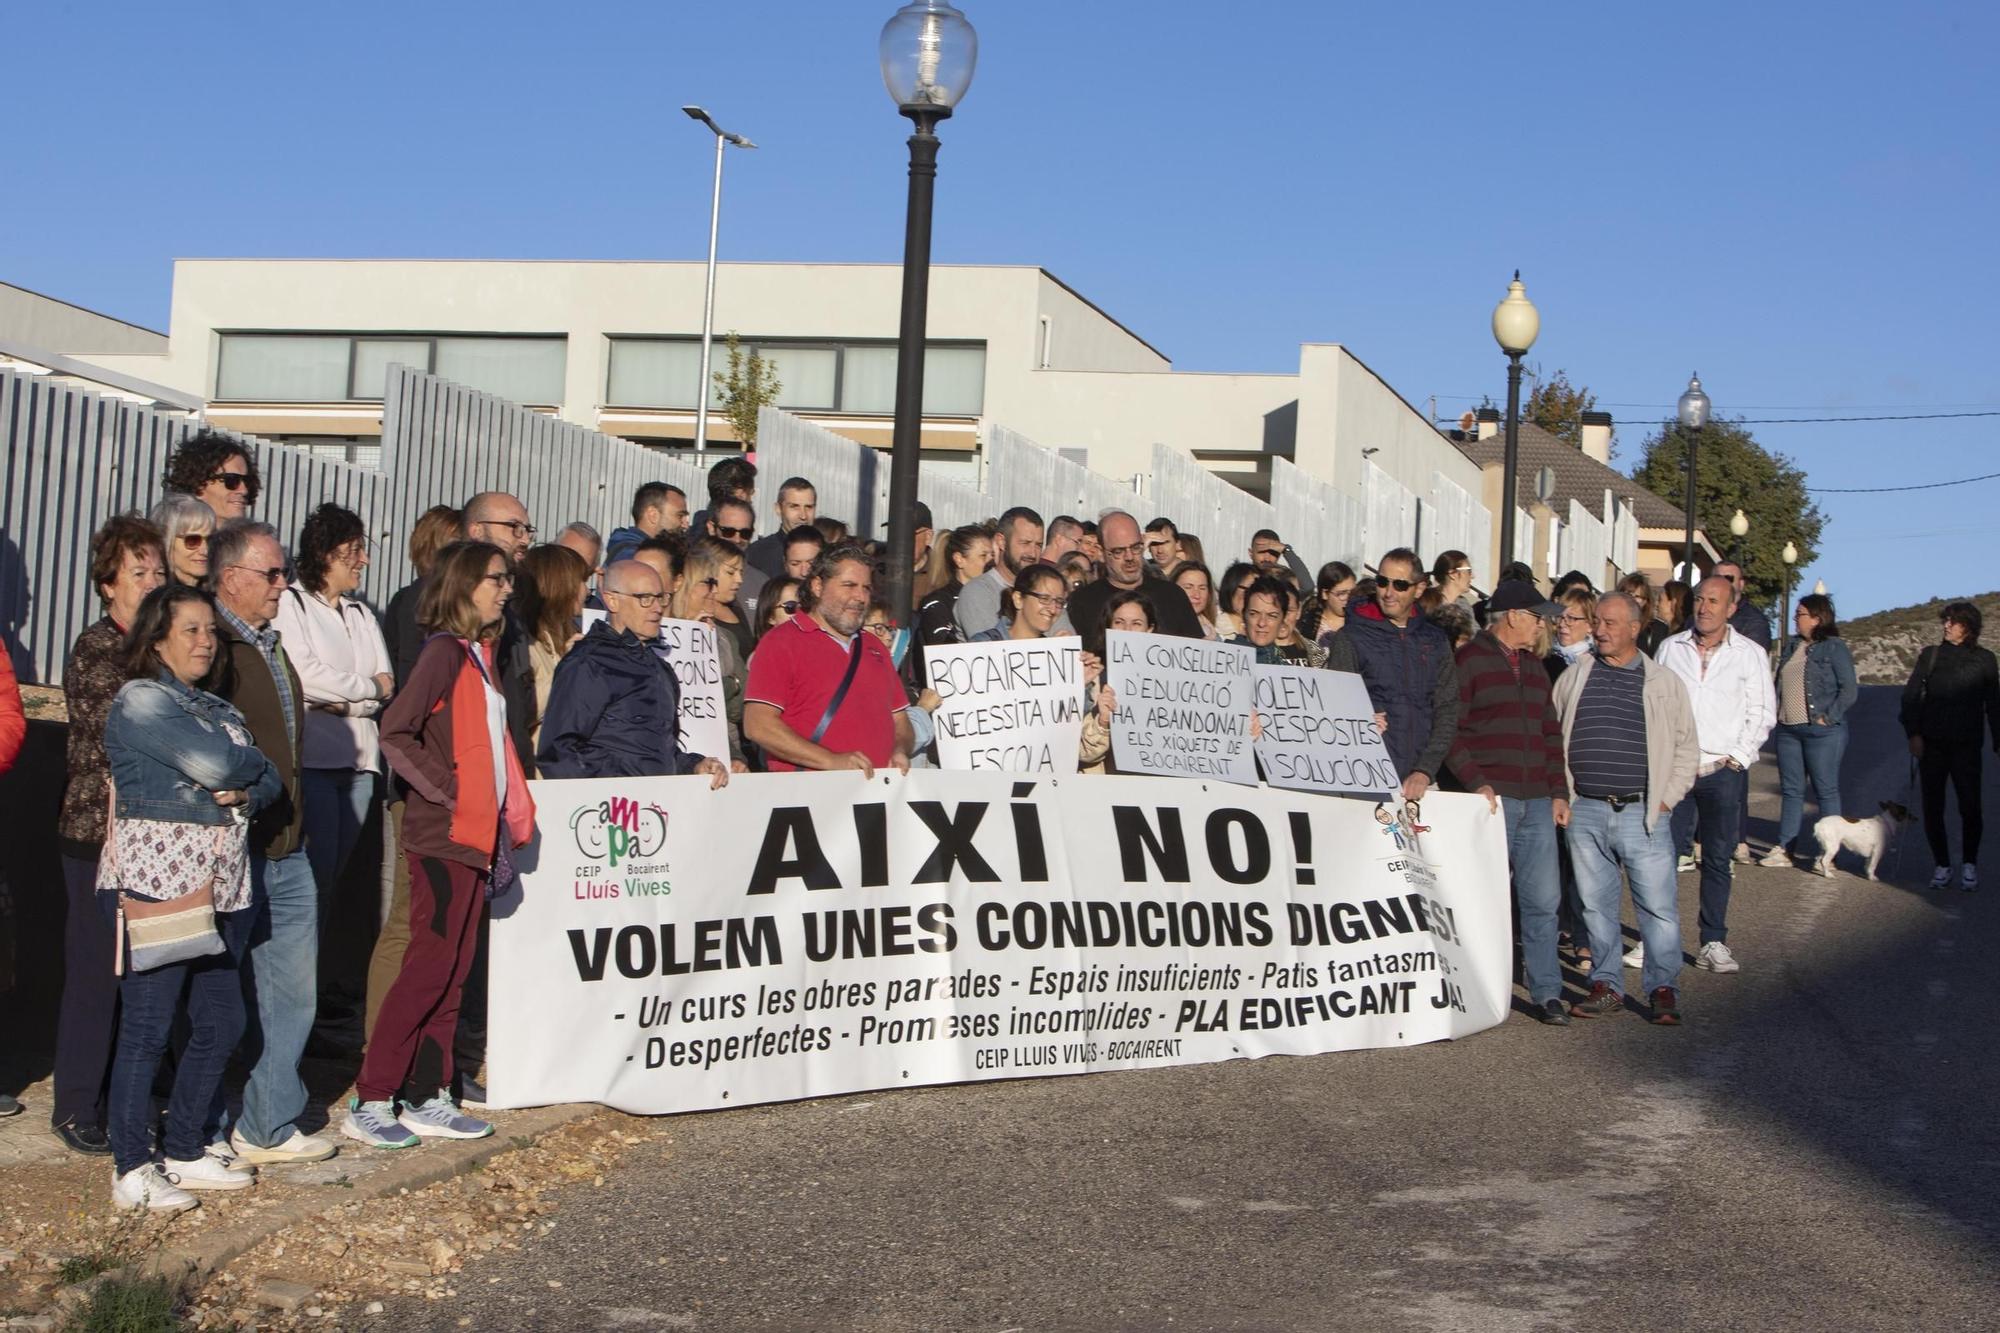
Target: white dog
(1871, 839)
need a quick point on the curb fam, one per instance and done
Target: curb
(437, 1161)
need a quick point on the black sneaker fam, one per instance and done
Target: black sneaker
(89, 1140)
(1552, 1013)
(1666, 1007)
(1600, 1003)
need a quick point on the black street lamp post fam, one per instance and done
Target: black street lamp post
(1693, 411)
(928, 51)
(1515, 324)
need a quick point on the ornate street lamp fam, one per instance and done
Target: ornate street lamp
(702, 388)
(1739, 528)
(1693, 412)
(1515, 324)
(928, 52)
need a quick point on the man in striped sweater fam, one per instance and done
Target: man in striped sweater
(1509, 750)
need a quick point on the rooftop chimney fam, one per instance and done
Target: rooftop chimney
(1489, 423)
(1596, 441)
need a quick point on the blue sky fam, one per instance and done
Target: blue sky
(1799, 201)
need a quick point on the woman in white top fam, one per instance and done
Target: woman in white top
(335, 644)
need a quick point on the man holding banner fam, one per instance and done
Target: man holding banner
(614, 706)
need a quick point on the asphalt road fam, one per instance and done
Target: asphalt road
(1816, 1148)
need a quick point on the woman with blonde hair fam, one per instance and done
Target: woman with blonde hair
(709, 579)
(185, 525)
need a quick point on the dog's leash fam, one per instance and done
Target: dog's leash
(1910, 802)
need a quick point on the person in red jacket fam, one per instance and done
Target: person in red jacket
(446, 738)
(1509, 749)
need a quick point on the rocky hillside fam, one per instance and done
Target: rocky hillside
(1886, 644)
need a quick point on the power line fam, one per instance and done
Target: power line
(1750, 407)
(1818, 421)
(1886, 490)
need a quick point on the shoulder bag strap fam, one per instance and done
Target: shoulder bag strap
(840, 695)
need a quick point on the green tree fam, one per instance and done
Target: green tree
(1557, 406)
(750, 382)
(1732, 472)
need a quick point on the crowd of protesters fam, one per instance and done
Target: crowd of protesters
(238, 717)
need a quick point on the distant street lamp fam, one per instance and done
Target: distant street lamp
(1819, 587)
(1790, 555)
(1515, 324)
(1739, 528)
(1693, 412)
(722, 138)
(928, 51)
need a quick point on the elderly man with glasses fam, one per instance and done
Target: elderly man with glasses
(614, 705)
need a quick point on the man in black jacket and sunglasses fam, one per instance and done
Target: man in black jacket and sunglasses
(1406, 663)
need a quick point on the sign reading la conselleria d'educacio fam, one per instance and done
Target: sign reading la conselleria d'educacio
(668, 948)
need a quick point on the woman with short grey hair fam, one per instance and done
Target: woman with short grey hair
(185, 525)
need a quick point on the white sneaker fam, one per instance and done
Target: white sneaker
(1968, 877)
(297, 1147)
(144, 1187)
(1635, 957)
(1743, 853)
(1715, 956)
(1941, 877)
(205, 1173)
(1777, 857)
(1685, 866)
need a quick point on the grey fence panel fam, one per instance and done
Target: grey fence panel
(1389, 513)
(1321, 521)
(954, 504)
(1223, 515)
(1021, 472)
(850, 478)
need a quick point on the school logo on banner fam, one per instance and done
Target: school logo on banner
(621, 839)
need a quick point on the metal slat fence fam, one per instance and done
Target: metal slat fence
(1320, 521)
(1198, 501)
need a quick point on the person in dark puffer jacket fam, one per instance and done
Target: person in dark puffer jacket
(1953, 695)
(1406, 663)
(614, 706)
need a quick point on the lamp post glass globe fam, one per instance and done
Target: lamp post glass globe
(1819, 587)
(928, 52)
(1739, 523)
(1693, 406)
(1790, 555)
(1516, 322)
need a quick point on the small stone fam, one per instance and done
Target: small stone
(406, 1267)
(441, 1256)
(277, 1294)
(374, 1307)
(314, 1312)
(554, 1283)
(335, 1245)
(42, 1323)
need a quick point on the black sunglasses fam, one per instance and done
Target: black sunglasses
(1400, 585)
(723, 530)
(232, 481)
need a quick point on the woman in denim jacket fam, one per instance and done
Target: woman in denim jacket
(178, 755)
(1816, 687)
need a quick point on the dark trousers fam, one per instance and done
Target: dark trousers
(88, 1018)
(1958, 761)
(212, 990)
(1716, 804)
(410, 1050)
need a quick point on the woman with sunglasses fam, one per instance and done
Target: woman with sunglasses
(335, 644)
(778, 603)
(185, 525)
(710, 576)
(467, 806)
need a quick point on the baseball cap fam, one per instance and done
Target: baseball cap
(922, 512)
(1517, 595)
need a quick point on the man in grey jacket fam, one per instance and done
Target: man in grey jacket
(1631, 750)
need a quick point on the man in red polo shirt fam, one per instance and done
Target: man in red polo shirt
(795, 705)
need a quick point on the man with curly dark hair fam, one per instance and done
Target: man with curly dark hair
(215, 470)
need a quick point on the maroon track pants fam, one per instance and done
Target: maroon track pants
(410, 1052)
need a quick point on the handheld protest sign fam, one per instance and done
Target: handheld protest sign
(1183, 706)
(1015, 706)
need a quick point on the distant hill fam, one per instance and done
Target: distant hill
(1886, 644)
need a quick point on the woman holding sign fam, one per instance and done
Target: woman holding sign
(713, 573)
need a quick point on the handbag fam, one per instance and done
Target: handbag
(153, 854)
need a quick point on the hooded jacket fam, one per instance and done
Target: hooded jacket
(614, 711)
(1411, 680)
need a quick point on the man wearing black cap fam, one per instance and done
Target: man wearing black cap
(1509, 749)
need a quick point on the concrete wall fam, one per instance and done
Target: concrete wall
(1120, 417)
(59, 327)
(1082, 337)
(1344, 407)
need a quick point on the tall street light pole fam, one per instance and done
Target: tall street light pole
(1515, 324)
(928, 51)
(1693, 414)
(723, 138)
(1790, 555)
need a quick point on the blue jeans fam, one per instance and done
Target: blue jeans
(282, 976)
(1601, 841)
(1718, 801)
(338, 802)
(149, 1003)
(1531, 851)
(1807, 752)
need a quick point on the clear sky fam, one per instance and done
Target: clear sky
(1800, 201)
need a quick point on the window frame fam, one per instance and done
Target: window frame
(838, 346)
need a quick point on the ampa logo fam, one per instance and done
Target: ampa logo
(619, 829)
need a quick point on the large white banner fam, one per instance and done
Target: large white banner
(1183, 706)
(697, 663)
(669, 948)
(1015, 706)
(1319, 732)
